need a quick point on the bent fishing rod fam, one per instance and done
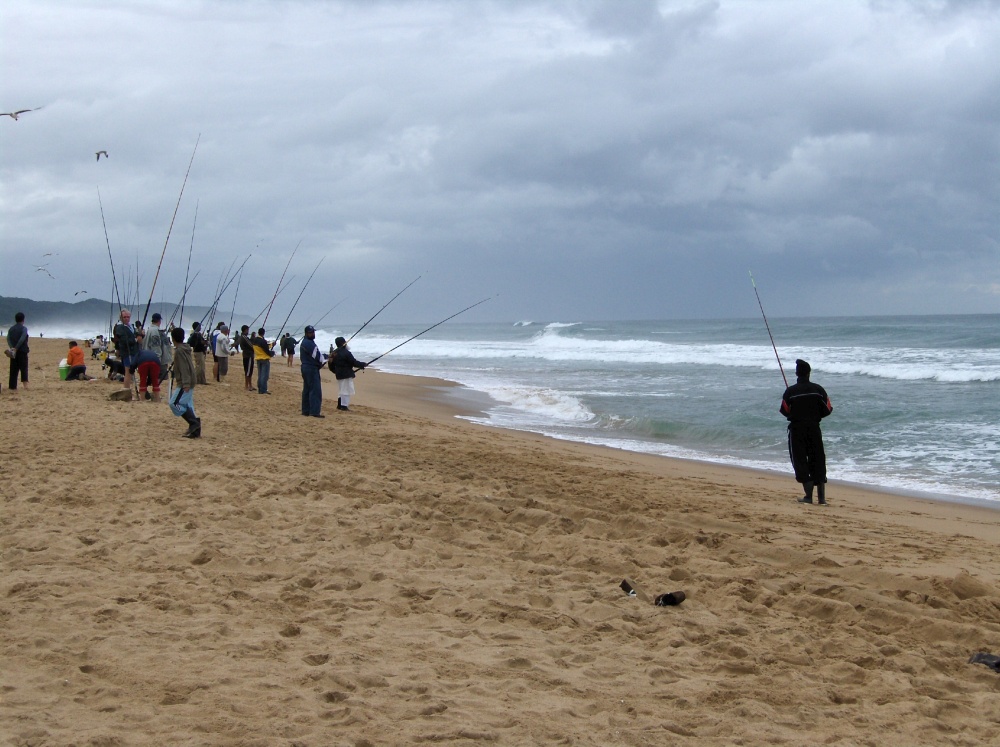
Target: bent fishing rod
(297, 298)
(429, 329)
(383, 308)
(277, 291)
(768, 326)
(169, 230)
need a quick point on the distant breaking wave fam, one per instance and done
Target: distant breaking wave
(552, 344)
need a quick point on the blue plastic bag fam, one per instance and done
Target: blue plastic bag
(181, 402)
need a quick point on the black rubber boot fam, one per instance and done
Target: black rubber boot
(821, 493)
(808, 497)
(194, 425)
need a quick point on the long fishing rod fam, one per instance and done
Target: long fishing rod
(220, 294)
(114, 277)
(239, 279)
(210, 314)
(298, 297)
(171, 228)
(280, 291)
(194, 225)
(780, 367)
(264, 323)
(238, 275)
(180, 306)
(128, 286)
(429, 329)
(316, 323)
(383, 308)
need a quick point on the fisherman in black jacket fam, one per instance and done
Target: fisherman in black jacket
(805, 404)
(343, 363)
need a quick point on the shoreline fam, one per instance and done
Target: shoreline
(398, 575)
(460, 402)
(420, 395)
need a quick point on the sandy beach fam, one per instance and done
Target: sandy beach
(395, 575)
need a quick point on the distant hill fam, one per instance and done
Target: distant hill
(92, 315)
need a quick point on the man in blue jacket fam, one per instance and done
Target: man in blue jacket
(311, 361)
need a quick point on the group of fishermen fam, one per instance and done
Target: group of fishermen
(149, 356)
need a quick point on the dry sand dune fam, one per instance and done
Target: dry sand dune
(396, 576)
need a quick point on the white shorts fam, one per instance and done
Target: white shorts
(345, 387)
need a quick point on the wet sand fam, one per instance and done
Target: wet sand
(394, 575)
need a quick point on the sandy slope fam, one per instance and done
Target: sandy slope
(395, 576)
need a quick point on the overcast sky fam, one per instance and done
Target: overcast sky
(584, 160)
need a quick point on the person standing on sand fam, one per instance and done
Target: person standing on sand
(17, 345)
(288, 344)
(214, 344)
(199, 348)
(262, 353)
(222, 352)
(126, 345)
(804, 404)
(245, 344)
(311, 363)
(343, 364)
(185, 378)
(157, 341)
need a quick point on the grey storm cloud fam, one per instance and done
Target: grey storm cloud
(581, 159)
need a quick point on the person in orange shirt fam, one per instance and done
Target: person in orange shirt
(77, 368)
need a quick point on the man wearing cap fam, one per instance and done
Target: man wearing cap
(311, 360)
(804, 404)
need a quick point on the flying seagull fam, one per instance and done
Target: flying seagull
(41, 268)
(101, 153)
(18, 113)
(79, 292)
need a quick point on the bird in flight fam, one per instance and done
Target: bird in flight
(18, 113)
(41, 268)
(101, 153)
(79, 292)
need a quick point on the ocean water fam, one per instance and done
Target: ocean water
(915, 398)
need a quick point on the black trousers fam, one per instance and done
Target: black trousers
(805, 449)
(18, 365)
